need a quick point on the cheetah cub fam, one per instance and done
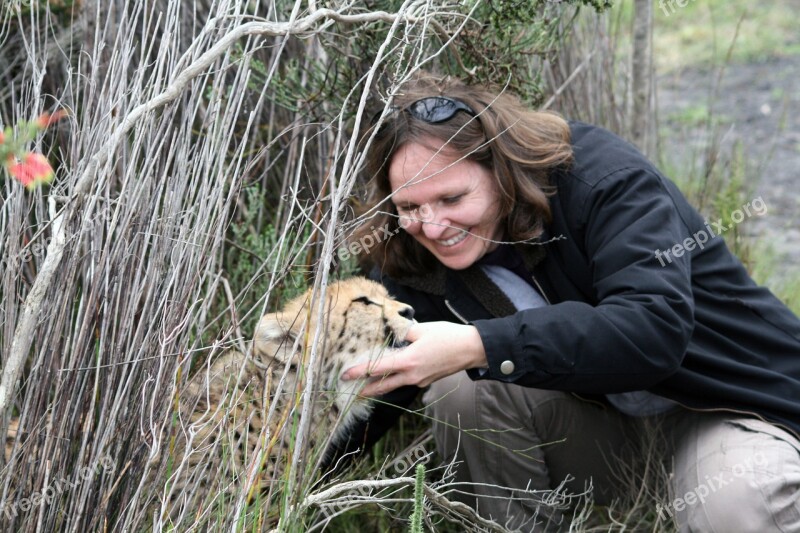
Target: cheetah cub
(240, 413)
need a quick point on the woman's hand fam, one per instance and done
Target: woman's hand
(437, 349)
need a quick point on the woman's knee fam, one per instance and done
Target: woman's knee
(458, 400)
(737, 475)
(451, 399)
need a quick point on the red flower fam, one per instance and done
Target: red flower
(46, 120)
(33, 170)
(2, 137)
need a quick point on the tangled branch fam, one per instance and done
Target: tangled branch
(315, 22)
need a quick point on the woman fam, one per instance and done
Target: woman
(566, 303)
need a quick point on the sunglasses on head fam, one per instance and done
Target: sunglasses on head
(436, 109)
(433, 109)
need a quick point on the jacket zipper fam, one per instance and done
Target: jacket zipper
(541, 291)
(452, 310)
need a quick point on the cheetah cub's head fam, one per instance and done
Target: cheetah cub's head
(360, 322)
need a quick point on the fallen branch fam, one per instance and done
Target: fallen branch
(363, 487)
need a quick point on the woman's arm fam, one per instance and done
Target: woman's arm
(637, 333)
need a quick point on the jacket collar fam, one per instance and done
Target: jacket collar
(449, 284)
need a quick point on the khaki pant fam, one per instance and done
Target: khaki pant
(727, 474)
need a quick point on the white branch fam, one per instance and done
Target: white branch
(363, 487)
(24, 331)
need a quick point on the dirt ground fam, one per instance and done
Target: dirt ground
(759, 104)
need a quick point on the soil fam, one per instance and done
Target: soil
(759, 105)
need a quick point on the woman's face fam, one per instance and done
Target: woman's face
(450, 207)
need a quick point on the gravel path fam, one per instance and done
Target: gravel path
(759, 104)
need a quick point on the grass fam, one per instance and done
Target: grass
(768, 268)
(696, 116)
(407, 439)
(699, 34)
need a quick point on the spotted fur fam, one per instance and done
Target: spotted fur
(225, 405)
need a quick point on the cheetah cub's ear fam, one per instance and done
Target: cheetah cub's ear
(274, 340)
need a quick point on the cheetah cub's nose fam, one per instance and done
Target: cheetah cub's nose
(407, 313)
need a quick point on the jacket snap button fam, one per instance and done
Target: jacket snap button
(507, 367)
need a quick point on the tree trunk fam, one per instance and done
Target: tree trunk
(642, 119)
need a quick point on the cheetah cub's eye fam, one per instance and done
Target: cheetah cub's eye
(364, 300)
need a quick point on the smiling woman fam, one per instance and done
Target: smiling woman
(461, 198)
(411, 141)
(533, 278)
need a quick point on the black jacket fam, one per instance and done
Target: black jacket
(696, 330)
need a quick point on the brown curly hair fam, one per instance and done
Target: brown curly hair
(517, 145)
